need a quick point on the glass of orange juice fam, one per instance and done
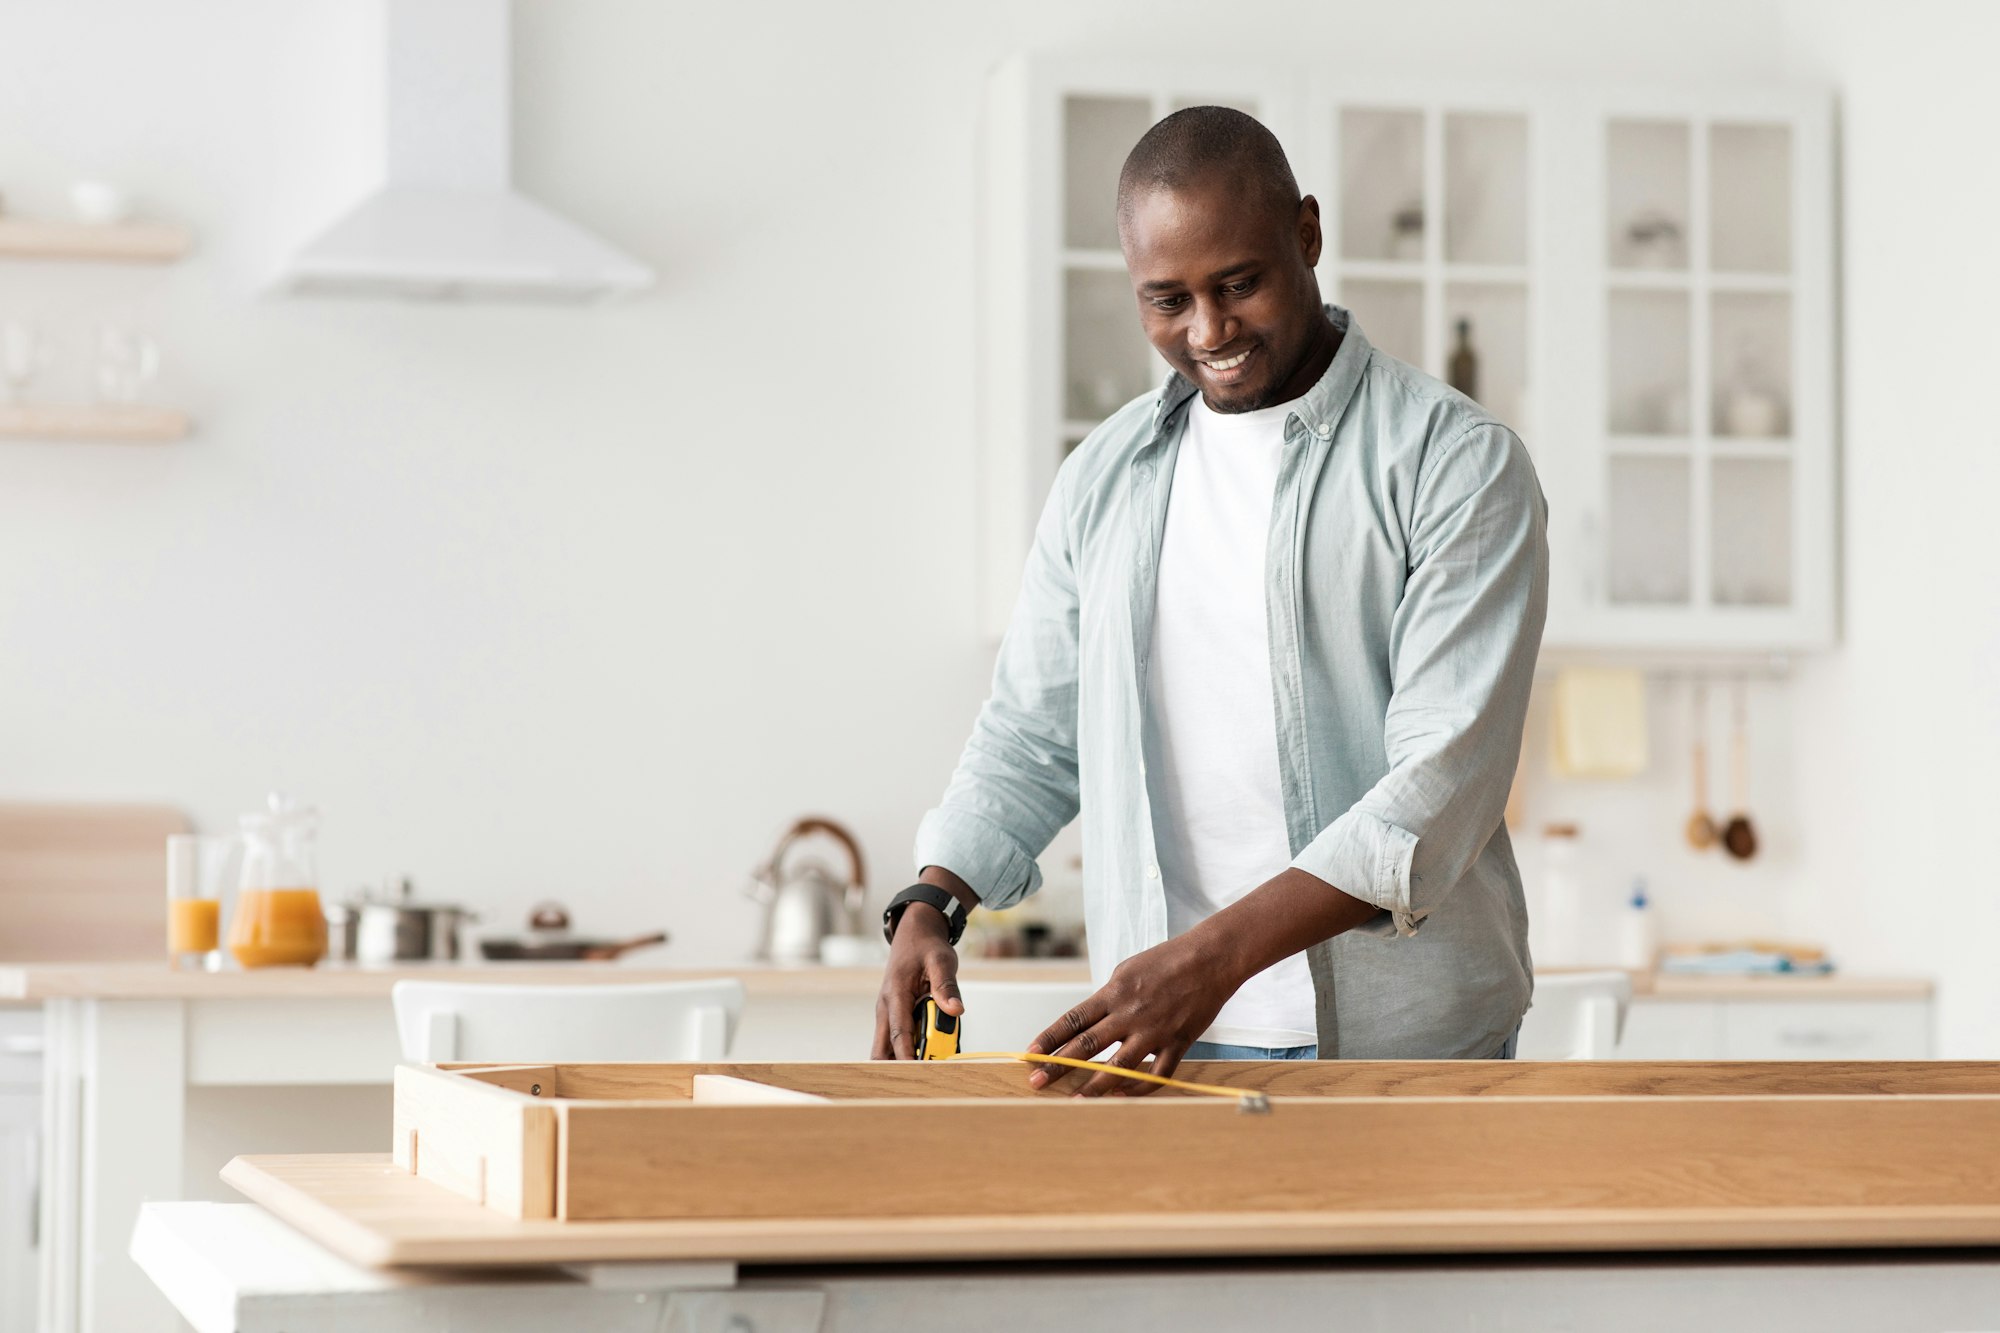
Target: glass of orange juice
(197, 869)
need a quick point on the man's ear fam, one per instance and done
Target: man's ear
(1309, 233)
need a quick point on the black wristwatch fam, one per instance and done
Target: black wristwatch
(953, 909)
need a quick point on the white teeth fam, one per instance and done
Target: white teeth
(1231, 363)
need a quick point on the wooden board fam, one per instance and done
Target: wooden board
(85, 881)
(122, 242)
(367, 1210)
(91, 421)
(1362, 1153)
(1315, 1078)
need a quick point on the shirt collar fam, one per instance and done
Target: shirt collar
(1319, 411)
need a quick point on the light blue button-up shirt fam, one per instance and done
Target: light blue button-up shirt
(1405, 585)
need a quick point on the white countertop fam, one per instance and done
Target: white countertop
(29, 982)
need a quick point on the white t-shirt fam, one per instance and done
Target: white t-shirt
(1211, 733)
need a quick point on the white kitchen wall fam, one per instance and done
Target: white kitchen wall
(590, 603)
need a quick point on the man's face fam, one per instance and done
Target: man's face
(1226, 289)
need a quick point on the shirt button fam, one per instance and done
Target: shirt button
(1325, 429)
(1152, 872)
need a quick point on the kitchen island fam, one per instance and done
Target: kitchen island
(1634, 1196)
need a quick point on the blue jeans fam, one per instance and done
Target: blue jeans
(1218, 1050)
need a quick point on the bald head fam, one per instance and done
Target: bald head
(1209, 143)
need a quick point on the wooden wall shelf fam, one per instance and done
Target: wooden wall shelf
(91, 422)
(119, 243)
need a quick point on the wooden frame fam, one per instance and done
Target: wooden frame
(518, 1164)
(630, 1142)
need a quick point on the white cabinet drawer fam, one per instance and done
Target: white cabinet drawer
(1827, 1030)
(20, 1047)
(1672, 1030)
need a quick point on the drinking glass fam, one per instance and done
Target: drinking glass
(127, 360)
(198, 868)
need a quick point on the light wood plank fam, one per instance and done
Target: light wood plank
(1321, 1078)
(368, 1211)
(86, 882)
(486, 1142)
(1191, 1155)
(125, 242)
(90, 421)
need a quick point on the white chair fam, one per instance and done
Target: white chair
(1575, 1016)
(1007, 1015)
(475, 1021)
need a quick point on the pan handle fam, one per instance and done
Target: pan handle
(618, 949)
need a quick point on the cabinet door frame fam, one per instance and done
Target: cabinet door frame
(1023, 262)
(1582, 617)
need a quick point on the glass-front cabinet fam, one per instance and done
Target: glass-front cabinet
(1640, 286)
(1707, 519)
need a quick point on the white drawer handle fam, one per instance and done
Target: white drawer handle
(22, 1043)
(1821, 1037)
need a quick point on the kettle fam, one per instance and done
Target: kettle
(804, 904)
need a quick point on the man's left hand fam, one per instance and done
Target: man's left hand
(1157, 1004)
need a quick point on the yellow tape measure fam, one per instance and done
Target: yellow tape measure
(940, 1035)
(938, 1032)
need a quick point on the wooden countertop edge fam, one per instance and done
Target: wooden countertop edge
(30, 982)
(1072, 1236)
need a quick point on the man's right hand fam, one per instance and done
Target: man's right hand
(921, 962)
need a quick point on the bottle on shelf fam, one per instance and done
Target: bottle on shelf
(1464, 369)
(1638, 935)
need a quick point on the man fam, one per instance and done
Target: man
(1274, 639)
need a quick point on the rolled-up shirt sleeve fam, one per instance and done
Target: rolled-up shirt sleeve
(1015, 786)
(1462, 653)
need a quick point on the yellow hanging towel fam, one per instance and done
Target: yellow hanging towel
(1600, 723)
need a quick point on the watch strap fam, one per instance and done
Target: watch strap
(930, 894)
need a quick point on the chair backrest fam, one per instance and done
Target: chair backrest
(84, 883)
(1007, 1015)
(1575, 1016)
(477, 1021)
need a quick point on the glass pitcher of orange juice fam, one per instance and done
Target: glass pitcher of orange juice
(278, 921)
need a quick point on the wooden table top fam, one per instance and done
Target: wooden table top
(367, 1210)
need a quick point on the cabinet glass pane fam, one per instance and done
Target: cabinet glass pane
(1647, 358)
(1107, 362)
(1646, 194)
(1751, 517)
(1391, 314)
(1751, 345)
(1486, 189)
(1381, 184)
(1651, 541)
(1496, 319)
(1750, 198)
(1098, 132)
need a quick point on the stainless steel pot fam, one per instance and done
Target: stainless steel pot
(400, 929)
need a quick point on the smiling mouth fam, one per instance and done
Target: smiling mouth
(1229, 364)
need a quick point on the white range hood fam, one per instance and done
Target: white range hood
(446, 223)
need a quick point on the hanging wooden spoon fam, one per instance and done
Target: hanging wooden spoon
(1701, 830)
(1739, 839)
